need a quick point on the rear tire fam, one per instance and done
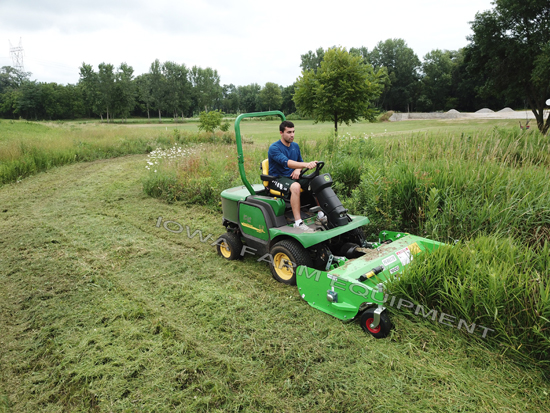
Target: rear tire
(383, 328)
(286, 256)
(229, 246)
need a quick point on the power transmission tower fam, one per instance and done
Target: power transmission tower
(17, 56)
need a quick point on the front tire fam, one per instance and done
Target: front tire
(383, 328)
(229, 246)
(286, 256)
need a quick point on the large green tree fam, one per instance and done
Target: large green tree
(510, 46)
(403, 67)
(341, 90)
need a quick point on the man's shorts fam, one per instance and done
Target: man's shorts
(282, 184)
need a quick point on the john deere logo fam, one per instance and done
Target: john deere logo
(327, 178)
(260, 230)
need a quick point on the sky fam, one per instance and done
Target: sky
(246, 41)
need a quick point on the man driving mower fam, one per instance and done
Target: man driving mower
(286, 163)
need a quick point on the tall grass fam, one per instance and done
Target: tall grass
(197, 174)
(28, 147)
(491, 190)
(490, 281)
(458, 187)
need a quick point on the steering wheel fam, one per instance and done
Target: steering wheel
(315, 173)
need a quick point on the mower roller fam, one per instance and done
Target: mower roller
(336, 270)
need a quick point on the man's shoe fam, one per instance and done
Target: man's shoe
(321, 221)
(303, 227)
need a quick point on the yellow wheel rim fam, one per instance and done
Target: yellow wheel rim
(225, 250)
(283, 266)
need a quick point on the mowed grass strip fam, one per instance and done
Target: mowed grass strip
(101, 310)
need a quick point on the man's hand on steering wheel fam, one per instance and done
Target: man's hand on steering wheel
(311, 165)
(318, 165)
(297, 173)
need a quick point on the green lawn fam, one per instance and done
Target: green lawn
(101, 310)
(267, 131)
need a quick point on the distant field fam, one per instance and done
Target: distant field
(268, 130)
(64, 133)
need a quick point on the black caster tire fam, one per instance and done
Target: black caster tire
(383, 328)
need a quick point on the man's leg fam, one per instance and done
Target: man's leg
(295, 200)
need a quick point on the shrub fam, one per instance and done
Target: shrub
(210, 121)
(293, 116)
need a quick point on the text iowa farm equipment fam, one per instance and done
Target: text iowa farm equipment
(336, 270)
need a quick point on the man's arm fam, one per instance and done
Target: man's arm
(298, 166)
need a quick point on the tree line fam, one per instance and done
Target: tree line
(441, 82)
(108, 92)
(506, 63)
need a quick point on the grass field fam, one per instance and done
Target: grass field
(102, 309)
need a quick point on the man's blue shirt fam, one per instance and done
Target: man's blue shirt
(279, 154)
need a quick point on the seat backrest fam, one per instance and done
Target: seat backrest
(264, 166)
(265, 170)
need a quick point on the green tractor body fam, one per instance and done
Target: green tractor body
(336, 270)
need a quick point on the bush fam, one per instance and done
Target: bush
(293, 116)
(210, 121)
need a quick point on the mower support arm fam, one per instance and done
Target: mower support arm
(240, 157)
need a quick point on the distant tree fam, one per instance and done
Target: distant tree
(249, 98)
(28, 101)
(125, 90)
(51, 101)
(70, 102)
(89, 86)
(287, 93)
(144, 92)
(510, 47)
(11, 78)
(402, 65)
(206, 87)
(157, 82)
(342, 90)
(312, 60)
(178, 88)
(106, 88)
(270, 96)
(437, 81)
(230, 98)
(362, 52)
